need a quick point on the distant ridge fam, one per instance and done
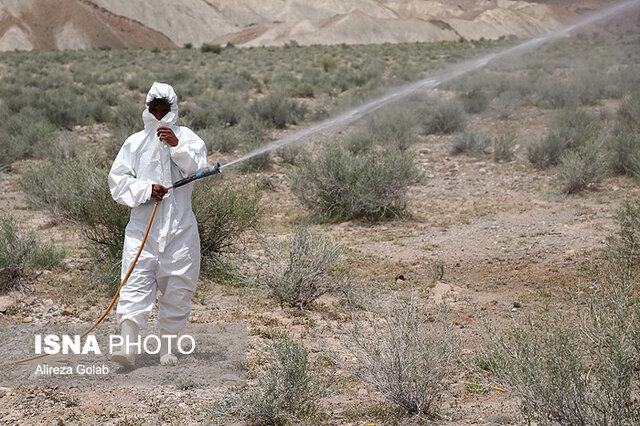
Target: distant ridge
(77, 24)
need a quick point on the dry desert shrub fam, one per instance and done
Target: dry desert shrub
(406, 355)
(21, 252)
(580, 168)
(288, 393)
(569, 130)
(303, 269)
(340, 185)
(581, 366)
(474, 144)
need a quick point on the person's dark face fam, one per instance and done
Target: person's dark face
(160, 111)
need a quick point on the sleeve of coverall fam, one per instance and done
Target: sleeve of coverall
(125, 187)
(190, 155)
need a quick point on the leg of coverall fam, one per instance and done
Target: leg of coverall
(177, 277)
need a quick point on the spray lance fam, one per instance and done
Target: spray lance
(202, 173)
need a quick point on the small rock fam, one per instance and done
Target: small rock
(400, 278)
(4, 391)
(229, 385)
(183, 406)
(27, 320)
(514, 309)
(363, 392)
(517, 305)
(66, 312)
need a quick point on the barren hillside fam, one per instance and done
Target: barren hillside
(74, 24)
(70, 24)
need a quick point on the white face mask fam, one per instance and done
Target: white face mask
(151, 123)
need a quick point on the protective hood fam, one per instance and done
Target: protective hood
(160, 90)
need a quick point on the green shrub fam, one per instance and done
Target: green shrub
(66, 145)
(16, 253)
(252, 142)
(569, 130)
(341, 185)
(64, 109)
(407, 357)
(474, 144)
(287, 394)
(625, 243)
(328, 63)
(506, 104)
(222, 139)
(47, 255)
(625, 139)
(303, 269)
(504, 148)
(580, 168)
(303, 90)
(394, 127)
(229, 110)
(224, 212)
(65, 188)
(24, 134)
(278, 110)
(223, 110)
(128, 116)
(447, 117)
(474, 101)
(290, 153)
(213, 48)
(19, 253)
(578, 376)
(359, 141)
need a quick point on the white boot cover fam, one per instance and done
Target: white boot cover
(126, 356)
(167, 358)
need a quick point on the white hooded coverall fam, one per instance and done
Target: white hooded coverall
(170, 261)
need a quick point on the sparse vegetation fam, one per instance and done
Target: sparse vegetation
(406, 357)
(625, 138)
(474, 101)
(64, 188)
(569, 130)
(278, 110)
(224, 212)
(340, 185)
(625, 243)
(303, 269)
(503, 148)
(584, 375)
(474, 144)
(286, 394)
(580, 168)
(20, 253)
(447, 117)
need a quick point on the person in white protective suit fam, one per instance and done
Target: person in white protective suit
(148, 162)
